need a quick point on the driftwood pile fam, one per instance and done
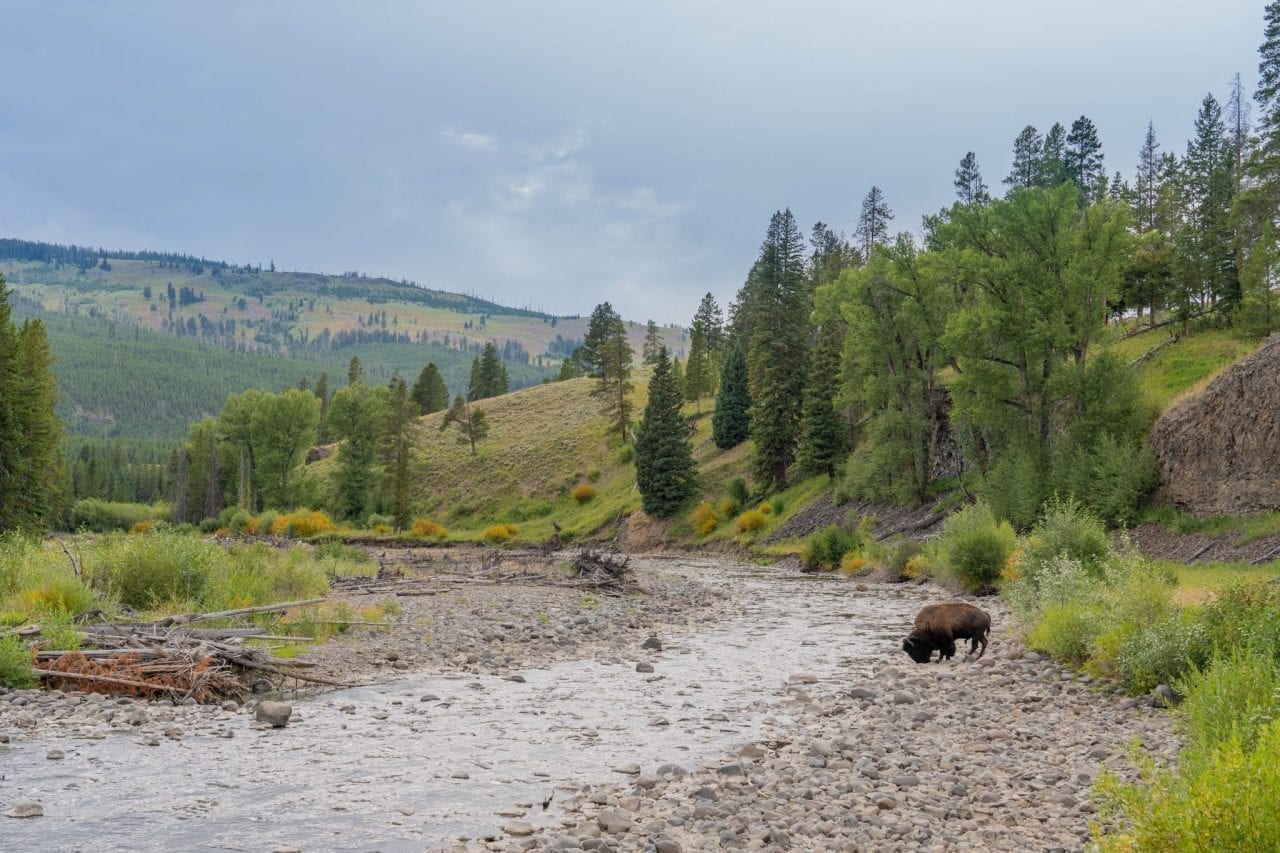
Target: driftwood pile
(601, 572)
(169, 658)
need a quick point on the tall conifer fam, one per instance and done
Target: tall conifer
(665, 473)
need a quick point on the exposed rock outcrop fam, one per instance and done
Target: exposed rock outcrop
(1219, 451)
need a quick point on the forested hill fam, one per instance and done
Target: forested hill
(146, 342)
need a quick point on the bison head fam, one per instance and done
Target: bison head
(918, 648)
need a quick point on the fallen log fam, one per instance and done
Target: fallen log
(104, 679)
(190, 618)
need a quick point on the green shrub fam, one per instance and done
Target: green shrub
(1066, 527)
(1245, 613)
(105, 516)
(1014, 488)
(146, 571)
(625, 455)
(777, 503)
(1230, 800)
(583, 493)
(898, 560)
(240, 523)
(16, 663)
(739, 492)
(267, 521)
(379, 523)
(1157, 653)
(1066, 632)
(57, 631)
(57, 592)
(826, 548)
(1111, 476)
(1235, 696)
(976, 546)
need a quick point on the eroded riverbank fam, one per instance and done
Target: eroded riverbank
(431, 760)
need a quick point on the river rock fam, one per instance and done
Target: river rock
(614, 821)
(274, 714)
(904, 697)
(653, 644)
(644, 666)
(26, 808)
(518, 828)
(55, 755)
(803, 678)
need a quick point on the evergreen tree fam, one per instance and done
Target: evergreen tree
(397, 445)
(665, 473)
(824, 441)
(488, 375)
(1146, 186)
(970, 189)
(569, 369)
(429, 391)
(652, 343)
(34, 475)
(1265, 164)
(697, 375)
(830, 255)
(1082, 161)
(12, 425)
(471, 422)
(355, 371)
(777, 355)
(731, 421)
(1052, 167)
(1206, 260)
(1027, 151)
(873, 223)
(606, 355)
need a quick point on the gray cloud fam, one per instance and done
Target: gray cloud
(558, 154)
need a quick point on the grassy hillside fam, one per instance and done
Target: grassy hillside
(1181, 367)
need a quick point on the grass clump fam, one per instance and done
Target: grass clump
(16, 662)
(583, 493)
(425, 528)
(976, 545)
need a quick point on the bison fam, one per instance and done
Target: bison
(938, 626)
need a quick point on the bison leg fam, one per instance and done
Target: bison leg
(981, 638)
(948, 650)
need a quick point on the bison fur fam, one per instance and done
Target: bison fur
(938, 626)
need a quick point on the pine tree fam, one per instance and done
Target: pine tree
(970, 189)
(652, 343)
(357, 417)
(397, 444)
(777, 355)
(1082, 161)
(830, 255)
(665, 473)
(1027, 150)
(873, 223)
(429, 391)
(1265, 164)
(697, 383)
(12, 423)
(473, 426)
(1146, 186)
(606, 356)
(824, 440)
(1206, 261)
(488, 375)
(1052, 168)
(731, 422)
(355, 371)
(35, 476)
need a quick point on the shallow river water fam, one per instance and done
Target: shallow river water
(399, 773)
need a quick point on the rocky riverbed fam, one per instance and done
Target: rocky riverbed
(774, 710)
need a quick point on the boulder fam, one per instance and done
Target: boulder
(275, 714)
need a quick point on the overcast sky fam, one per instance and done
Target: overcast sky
(557, 154)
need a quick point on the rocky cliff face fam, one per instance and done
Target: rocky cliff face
(1219, 452)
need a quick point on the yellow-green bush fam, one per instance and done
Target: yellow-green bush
(16, 662)
(704, 519)
(1065, 632)
(826, 548)
(583, 493)
(976, 545)
(302, 524)
(425, 528)
(765, 508)
(1228, 800)
(57, 593)
(728, 507)
(853, 564)
(752, 519)
(143, 527)
(499, 533)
